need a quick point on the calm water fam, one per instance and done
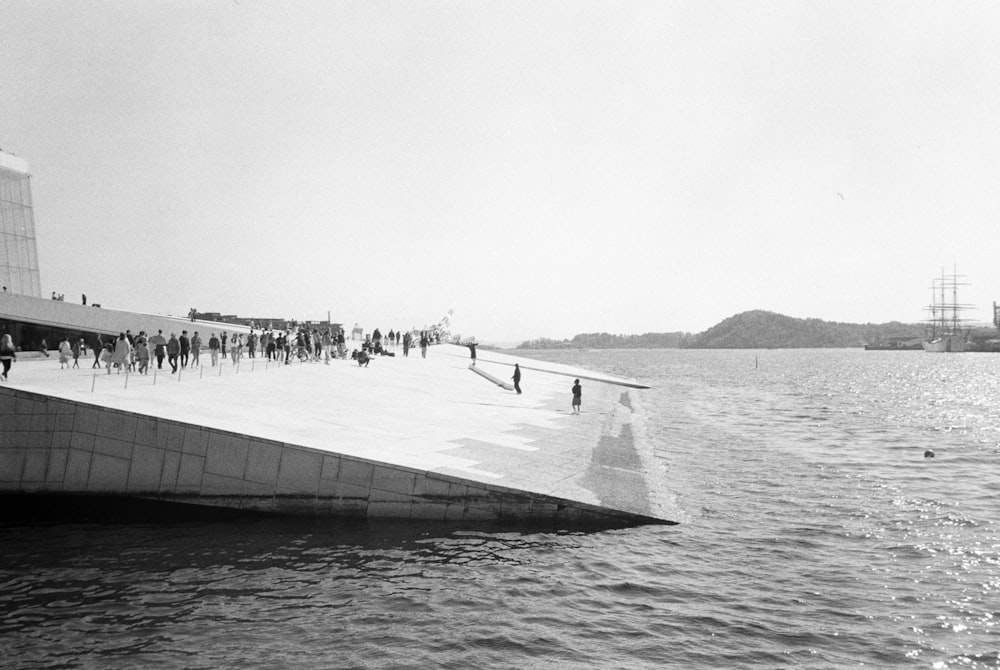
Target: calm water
(815, 535)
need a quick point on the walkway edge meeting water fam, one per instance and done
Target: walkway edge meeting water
(405, 438)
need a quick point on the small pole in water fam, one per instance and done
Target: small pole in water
(755, 363)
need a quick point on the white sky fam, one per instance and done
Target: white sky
(542, 168)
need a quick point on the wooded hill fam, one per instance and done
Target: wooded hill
(756, 329)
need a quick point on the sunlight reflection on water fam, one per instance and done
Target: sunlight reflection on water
(817, 535)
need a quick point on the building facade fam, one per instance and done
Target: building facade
(18, 248)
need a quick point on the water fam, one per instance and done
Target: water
(815, 534)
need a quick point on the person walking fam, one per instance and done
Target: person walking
(517, 378)
(98, 348)
(77, 348)
(471, 344)
(142, 356)
(195, 350)
(236, 347)
(577, 396)
(423, 343)
(65, 351)
(185, 343)
(213, 349)
(7, 355)
(120, 355)
(327, 345)
(173, 351)
(159, 348)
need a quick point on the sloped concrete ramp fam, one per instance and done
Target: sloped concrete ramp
(404, 438)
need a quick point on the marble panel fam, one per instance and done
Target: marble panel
(196, 441)
(107, 473)
(385, 478)
(43, 422)
(82, 442)
(77, 470)
(35, 464)
(170, 435)
(112, 447)
(429, 511)
(146, 429)
(26, 405)
(299, 471)
(431, 487)
(227, 454)
(263, 461)
(64, 423)
(38, 440)
(189, 473)
(171, 466)
(331, 468)
(358, 473)
(117, 426)
(146, 471)
(56, 470)
(376, 495)
(12, 465)
(85, 420)
(344, 489)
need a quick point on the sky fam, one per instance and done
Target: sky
(540, 168)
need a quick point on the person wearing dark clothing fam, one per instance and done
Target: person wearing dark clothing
(98, 347)
(185, 348)
(8, 354)
(517, 377)
(159, 348)
(471, 344)
(173, 351)
(577, 396)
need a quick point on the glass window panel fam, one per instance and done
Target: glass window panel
(29, 222)
(26, 192)
(14, 253)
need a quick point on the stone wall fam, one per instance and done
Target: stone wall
(51, 445)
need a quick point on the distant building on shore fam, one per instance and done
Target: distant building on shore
(18, 248)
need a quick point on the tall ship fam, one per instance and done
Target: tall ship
(945, 331)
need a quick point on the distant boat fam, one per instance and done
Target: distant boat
(896, 344)
(944, 330)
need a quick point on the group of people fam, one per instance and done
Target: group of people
(134, 353)
(128, 353)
